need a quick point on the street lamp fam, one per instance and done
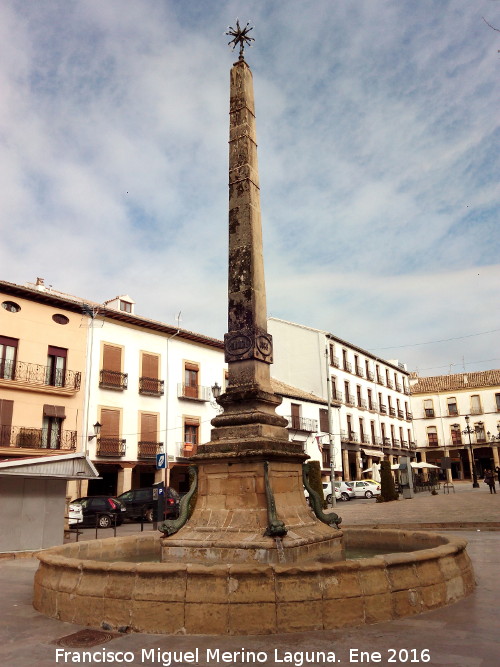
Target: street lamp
(492, 437)
(97, 430)
(468, 431)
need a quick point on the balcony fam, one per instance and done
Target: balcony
(392, 412)
(352, 437)
(113, 380)
(409, 416)
(151, 386)
(365, 439)
(348, 366)
(387, 442)
(396, 442)
(401, 414)
(360, 372)
(404, 443)
(193, 393)
(187, 449)
(377, 440)
(390, 384)
(370, 375)
(148, 450)
(413, 444)
(338, 396)
(110, 447)
(382, 408)
(350, 400)
(380, 380)
(302, 424)
(334, 361)
(362, 403)
(399, 387)
(36, 375)
(37, 438)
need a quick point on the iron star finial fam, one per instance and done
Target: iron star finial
(240, 36)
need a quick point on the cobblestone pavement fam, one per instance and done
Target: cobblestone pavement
(465, 634)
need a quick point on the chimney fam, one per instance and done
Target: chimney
(40, 284)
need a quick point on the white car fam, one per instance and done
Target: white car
(75, 514)
(328, 499)
(343, 488)
(364, 489)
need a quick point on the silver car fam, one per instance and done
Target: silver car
(346, 492)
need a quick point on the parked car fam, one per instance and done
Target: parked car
(337, 495)
(75, 514)
(346, 492)
(143, 503)
(105, 511)
(365, 489)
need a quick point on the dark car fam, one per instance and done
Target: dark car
(103, 511)
(143, 503)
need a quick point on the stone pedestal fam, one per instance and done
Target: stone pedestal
(231, 517)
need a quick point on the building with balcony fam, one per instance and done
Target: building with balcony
(372, 417)
(440, 405)
(42, 366)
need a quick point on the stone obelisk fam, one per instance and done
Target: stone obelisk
(250, 505)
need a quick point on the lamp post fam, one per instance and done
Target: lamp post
(469, 431)
(97, 430)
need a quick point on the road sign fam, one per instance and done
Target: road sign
(160, 461)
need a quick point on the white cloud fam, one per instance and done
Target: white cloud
(378, 152)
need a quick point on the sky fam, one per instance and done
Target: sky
(379, 162)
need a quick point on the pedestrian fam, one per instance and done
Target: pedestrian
(497, 470)
(489, 479)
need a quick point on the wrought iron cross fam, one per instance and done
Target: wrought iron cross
(240, 36)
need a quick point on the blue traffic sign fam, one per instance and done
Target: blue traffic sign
(160, 461)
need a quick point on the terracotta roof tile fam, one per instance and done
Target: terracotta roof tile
(474, 380)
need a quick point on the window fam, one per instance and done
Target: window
(428, 408)
(191, 435)
(51, 432)
(56, 366)
(11, 306)
(480, 432)
(148, 443)
(125, 306)
(370, 401)
(191, 373)
(456, 434)
(475, 405)
(361, 431)
(497, 401)
(452, 406)
(8, 352)
(60, 319)
(372, 430)
(149, 384)
(111, 372)
(432, 437)
(295, 415)
(6, 409)
(358, 395)
(110, 442)
(323, 420)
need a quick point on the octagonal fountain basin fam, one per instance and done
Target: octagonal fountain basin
(116, 583)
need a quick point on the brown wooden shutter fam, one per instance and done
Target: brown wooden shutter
(6, 409)
(323, 420)
(110, 423)
(150, 366)
(57, 351)
(295, 415)
(112, 358)
(149, 427)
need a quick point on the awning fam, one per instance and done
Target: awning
(373, 452)
(54, 411)
(65, 466)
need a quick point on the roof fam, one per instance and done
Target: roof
(287, 390)
(455, 382)
(65, 466)
(56, 299)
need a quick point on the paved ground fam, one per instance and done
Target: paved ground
(466, 634)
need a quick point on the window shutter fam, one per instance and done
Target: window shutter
(150, 366)
(149, 427)
(6, 408)
(110, 423)
(112, 358)
(323, 420)
(57, 351)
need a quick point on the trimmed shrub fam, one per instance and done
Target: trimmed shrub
(387, 486)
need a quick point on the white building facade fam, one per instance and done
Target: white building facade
(372, 413)
(440, 405)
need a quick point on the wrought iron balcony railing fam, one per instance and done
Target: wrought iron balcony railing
(370, 375)
(382, 408)
(392, 412)
(348, 366)
(362, 403)
(390, 384)
(401, 414)
(360, 372)
(352, 437)
(110, 447)
(409, 416)
(36, 374)
(151, 386)
(350, 399)
(148, 450)
(334, 361)
(302, 424)
(113, 380)
(380, 380)
(387, 442)
(195, 393)
(37, 438)
(399, 387)
(396, 442)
